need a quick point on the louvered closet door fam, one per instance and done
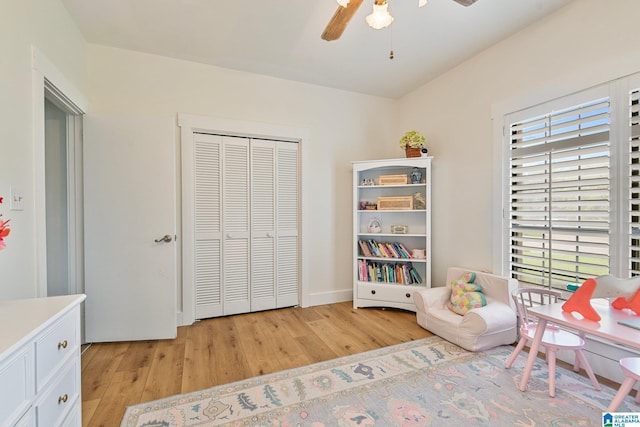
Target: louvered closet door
(287, 225)
(208, 225)
(245, 225)
(263, 225)
(235, 208)
(274, 224)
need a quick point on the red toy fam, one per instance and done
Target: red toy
(580, 301)
(632, 304)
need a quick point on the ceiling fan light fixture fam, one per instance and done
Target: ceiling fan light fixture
(380, 18)
(343, 3)
(420, 3)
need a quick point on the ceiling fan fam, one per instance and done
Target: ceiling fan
(348, 8)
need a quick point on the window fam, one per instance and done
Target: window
(572, 195)
(634, 182)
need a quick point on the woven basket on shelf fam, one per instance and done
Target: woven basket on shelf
(412, 152)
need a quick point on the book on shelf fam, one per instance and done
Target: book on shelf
(364, 248)
(404, 253)
(402, 273)
(374, 249)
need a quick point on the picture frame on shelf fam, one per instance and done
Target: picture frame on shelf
(399, 229)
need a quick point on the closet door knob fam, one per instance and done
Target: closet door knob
(166, 239)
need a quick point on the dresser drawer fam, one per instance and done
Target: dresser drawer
(74, 419)
(27, 420)
(54, 346)
(16, 385)
(60, 398)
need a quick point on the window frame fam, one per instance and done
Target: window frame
(617, 91)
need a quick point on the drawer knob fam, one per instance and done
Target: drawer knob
(408, 295)
(373, 292)
(63, 399)
(63, 344)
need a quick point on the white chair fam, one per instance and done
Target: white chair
(479, 329)
(554, 338)
(609, 286)
(631, 368)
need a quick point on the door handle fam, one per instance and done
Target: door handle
(166, 239)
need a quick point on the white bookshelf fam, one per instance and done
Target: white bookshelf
(381, 280)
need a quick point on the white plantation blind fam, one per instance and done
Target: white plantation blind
(634, 182)
(559, 192)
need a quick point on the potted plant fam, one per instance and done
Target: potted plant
(411, 142)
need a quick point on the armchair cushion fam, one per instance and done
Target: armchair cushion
(465, 294)
(479, 328)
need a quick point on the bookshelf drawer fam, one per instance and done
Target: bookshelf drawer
(387, 292)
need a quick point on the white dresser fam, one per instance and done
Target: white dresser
(40, 362)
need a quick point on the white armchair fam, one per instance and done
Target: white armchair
(480, 328)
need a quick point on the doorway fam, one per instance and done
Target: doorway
(62, 196)
(57, 222)
(51, 86)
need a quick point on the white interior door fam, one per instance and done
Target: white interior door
(130, 202)
(235, 219)
(263, 225)
(288, 225)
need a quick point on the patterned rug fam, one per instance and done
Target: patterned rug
(429, 382)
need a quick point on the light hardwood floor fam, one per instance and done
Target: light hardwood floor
(226, 349)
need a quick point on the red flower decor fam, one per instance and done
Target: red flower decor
(4, 232)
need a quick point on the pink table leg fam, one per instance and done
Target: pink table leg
(533, 353)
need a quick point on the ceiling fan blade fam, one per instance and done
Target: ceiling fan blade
(465, 2)
(340, 19)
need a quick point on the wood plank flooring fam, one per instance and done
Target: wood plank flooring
(226, 349)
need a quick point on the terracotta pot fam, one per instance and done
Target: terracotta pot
(412, 152)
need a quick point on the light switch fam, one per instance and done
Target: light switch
(16, 200)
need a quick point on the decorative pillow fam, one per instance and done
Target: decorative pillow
(465, 294)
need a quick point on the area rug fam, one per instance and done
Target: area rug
(428, 382)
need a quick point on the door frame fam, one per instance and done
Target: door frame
(189, 124)
(48, 81)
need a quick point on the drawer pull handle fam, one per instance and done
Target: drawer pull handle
(408, 295)
(63, 344)
(63, 399)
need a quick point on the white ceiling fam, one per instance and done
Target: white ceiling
(281, 38)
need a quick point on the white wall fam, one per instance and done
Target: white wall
(583, 44)
(344, 126)
(46, 25)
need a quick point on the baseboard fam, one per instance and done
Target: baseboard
(320, 298)
(332, 297)
(180, 319)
